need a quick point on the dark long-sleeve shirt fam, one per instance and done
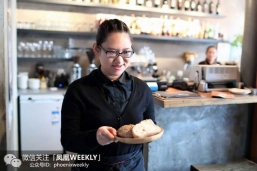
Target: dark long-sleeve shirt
(85, 109)
(118, 92)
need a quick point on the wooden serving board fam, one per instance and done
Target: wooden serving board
(140, 140)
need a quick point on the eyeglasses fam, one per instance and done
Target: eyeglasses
(115, 54)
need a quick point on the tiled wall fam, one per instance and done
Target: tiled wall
(168, 54)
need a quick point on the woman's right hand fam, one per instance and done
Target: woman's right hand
(106, 135)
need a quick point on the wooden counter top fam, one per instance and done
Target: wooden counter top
(204, 100)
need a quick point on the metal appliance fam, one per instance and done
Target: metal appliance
(75, 72)
(40, 123)
(145, 71)
(214, 77)
(91, 57)
(77, 50)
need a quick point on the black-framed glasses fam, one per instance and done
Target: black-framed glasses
(115, 54)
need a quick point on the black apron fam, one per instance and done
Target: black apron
(128, 162)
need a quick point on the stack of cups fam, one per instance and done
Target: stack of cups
(23, 80)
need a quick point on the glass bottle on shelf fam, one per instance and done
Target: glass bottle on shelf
(133, 24)
(199, 6)
(157, 3)
(123, 2)
(186, 5)
(218, 8)
(193, 5)
(149, 3)
(96, 1)
(211, 7)
(132, 2)
(165, 4)
(180, 4)
(140, 2)
(173, 4)
(210, 32)
(104, 1)
(205, 7)
(115, 1)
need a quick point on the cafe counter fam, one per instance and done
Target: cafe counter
(198, 131)
(204, 100)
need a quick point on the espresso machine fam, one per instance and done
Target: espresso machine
(76, 54)
(144, 67)
(214, 77)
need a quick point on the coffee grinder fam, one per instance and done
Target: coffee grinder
(91, 58)
(76, 68)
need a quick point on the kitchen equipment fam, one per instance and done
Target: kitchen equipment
(75, 72)
(189, 59)
(214, 77)
(39, 70)
(40, 123)
(143, 65)
(91, 57)
(23, 81)
(90, 68)
(34, 83)
(181, 85)
(77, 49)
(61, 81)
(162, 85)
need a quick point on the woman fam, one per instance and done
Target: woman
(211, 57)
(95, 106)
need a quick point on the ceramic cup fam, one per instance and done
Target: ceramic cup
(23, 81)
(34, 83)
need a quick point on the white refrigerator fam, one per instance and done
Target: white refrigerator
(40, 123)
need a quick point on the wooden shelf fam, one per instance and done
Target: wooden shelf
(136, 37)
(30, 31)
(128, 8)
(176, 39)
(44, 59)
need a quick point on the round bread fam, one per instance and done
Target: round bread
(125, 131)
(145, 128)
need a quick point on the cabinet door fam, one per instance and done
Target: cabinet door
(40, 123)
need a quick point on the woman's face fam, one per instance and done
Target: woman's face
(211, 55)
(114, 67)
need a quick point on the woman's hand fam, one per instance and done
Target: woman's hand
(106, 135)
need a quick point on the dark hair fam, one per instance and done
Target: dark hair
(110, 26)
(209, 47)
